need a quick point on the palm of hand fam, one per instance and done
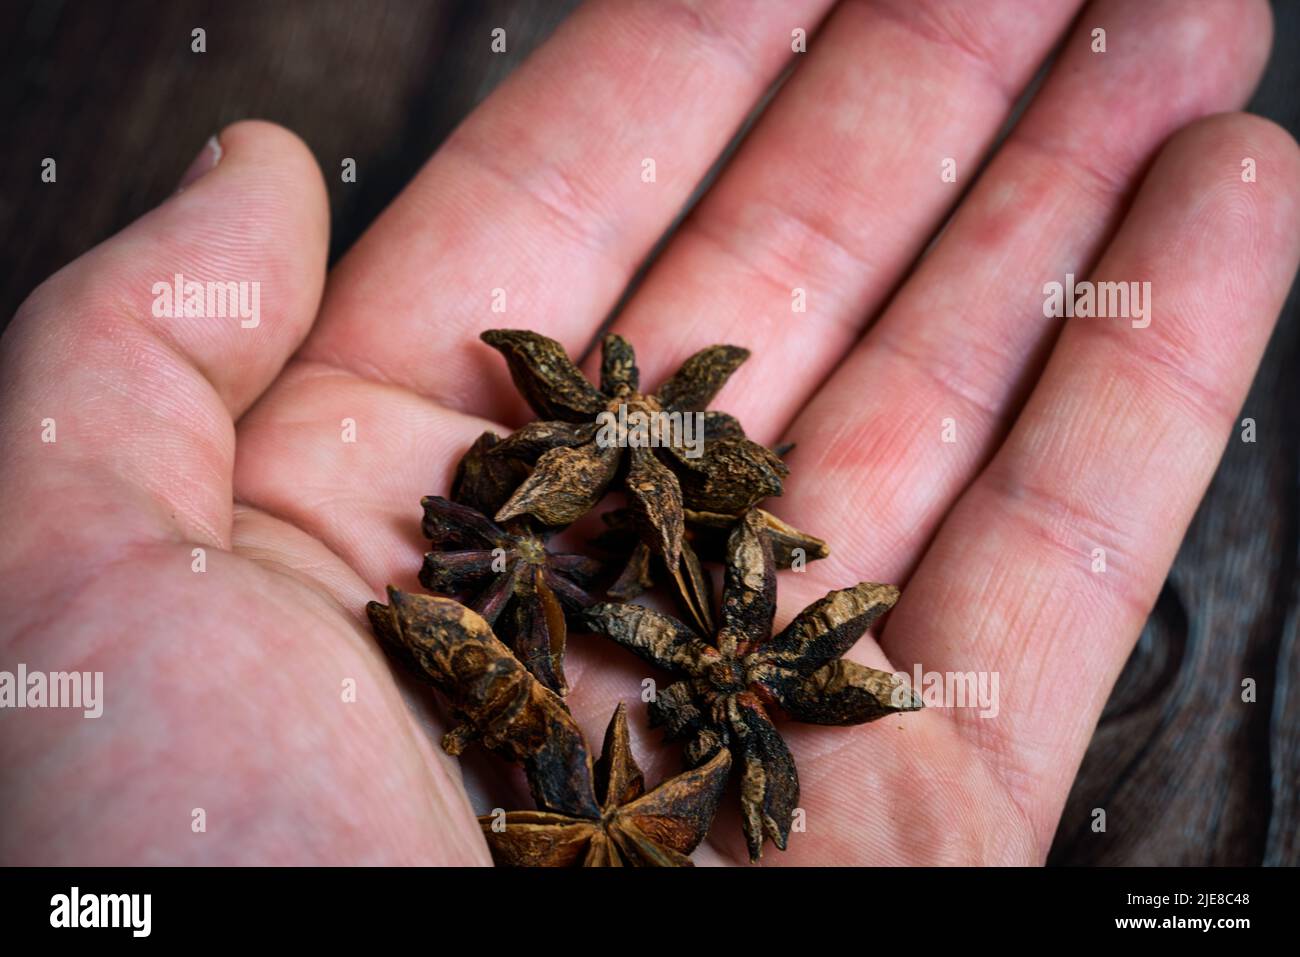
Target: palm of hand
(252, 689)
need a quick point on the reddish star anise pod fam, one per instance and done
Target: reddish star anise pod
(631, 828)
(727, 689)
(484, 481)
(591, 438)
(493, 697)
(506, 574)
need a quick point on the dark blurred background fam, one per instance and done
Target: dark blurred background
(1187, 772)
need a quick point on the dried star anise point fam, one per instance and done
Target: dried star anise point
(705, 540)
(630, 827)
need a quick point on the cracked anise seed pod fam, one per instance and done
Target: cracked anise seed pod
(493, 696)
(631, 828)
(726, 689)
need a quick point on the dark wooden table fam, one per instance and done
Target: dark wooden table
(1187, 772)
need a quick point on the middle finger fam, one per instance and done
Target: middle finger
(836, 191)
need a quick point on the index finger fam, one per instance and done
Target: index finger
(540, 207)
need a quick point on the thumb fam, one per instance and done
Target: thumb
(117, 395)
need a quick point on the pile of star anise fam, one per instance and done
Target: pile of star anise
(494, 646)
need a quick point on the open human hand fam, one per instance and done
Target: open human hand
(187, 514)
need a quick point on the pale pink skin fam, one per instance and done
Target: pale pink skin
(223, 689)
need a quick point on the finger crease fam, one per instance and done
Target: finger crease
(926, 27)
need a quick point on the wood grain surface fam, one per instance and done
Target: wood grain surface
(1186, 772)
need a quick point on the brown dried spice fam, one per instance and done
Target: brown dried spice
(726, 689)
(508, 576)
(573, 467)
(484, 481)
(706, 539)
(493, 696)
(658, 829)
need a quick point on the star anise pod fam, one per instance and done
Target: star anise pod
(484, 481)
(705, 540)
(631, 827)
(507, 575)
(583, 444)
(494, 698)
(727, 689)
